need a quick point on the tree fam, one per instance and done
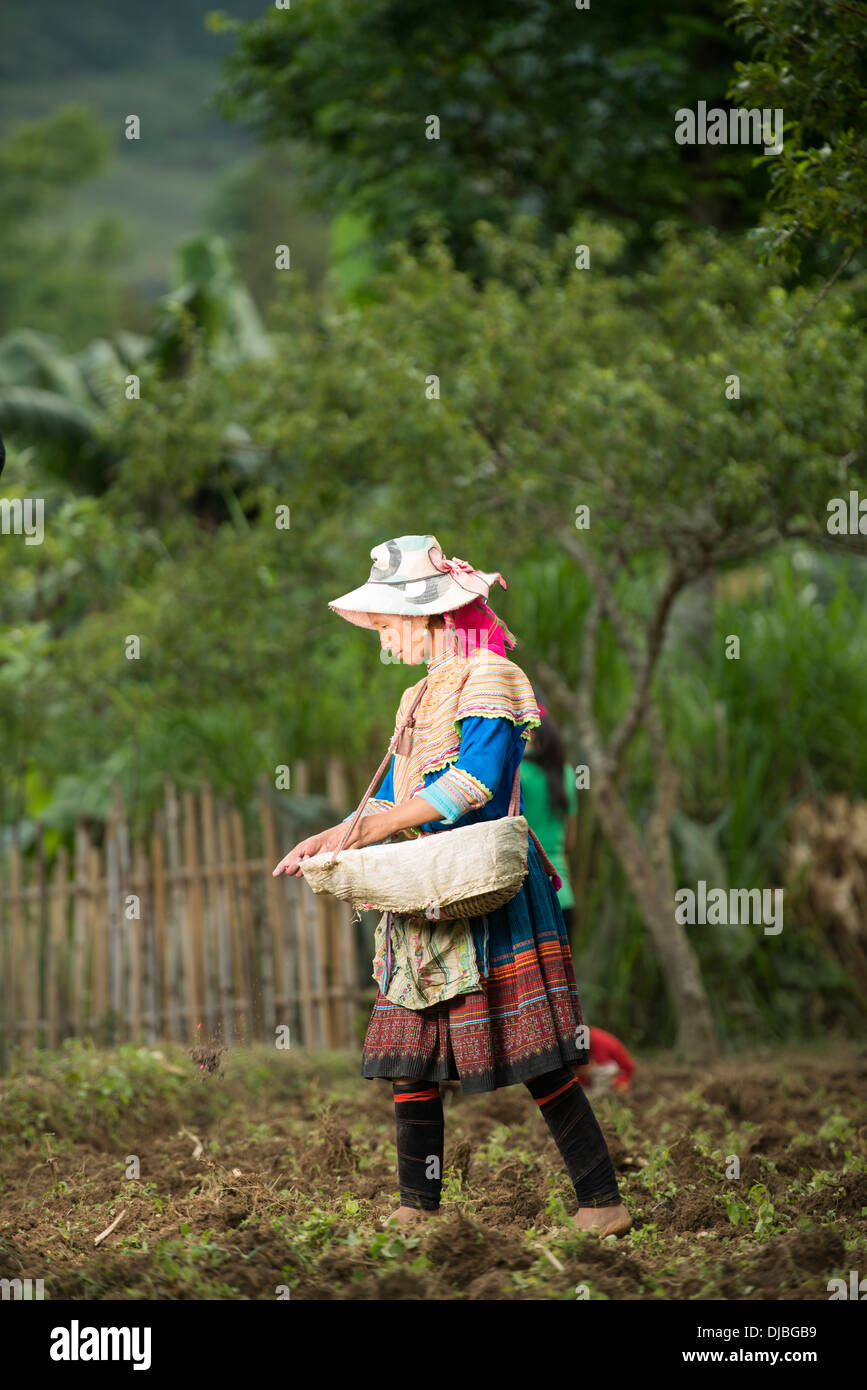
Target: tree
(542, 108)
(809, 59)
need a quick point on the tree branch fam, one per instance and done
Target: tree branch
(821, 295)
(602, 587)
(632, 720)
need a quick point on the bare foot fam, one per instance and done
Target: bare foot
(406, 1216)
(603, 1221)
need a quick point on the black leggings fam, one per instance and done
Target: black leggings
(568, 1114)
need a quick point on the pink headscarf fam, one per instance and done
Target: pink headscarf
(476, 625)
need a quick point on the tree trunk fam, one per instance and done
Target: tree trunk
(647, 860)
(696, 1036)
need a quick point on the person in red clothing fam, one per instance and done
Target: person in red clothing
(610, 1065)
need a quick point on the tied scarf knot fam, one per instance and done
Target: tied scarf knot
(462, 573)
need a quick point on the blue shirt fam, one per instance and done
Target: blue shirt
(490, 751)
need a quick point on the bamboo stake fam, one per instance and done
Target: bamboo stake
(108, 1230)
(278, 917)
(113, 924)
(80, 964)
(127, 934)
(160, 957)
(348, 957)
(56, 973)
(303, 898)
(135, 941)
(194, 934)
(209, 936)
(17, 940)
(97, 926)
(322, 978)
(292, 977)
(288, 990)
(247, 926)
(143, 1007)
(34, 947)
(40, 937)
(175, 982)
(310, 937)
(220, 916)
(335, 958)
(279, 911)
(270, 984)
(224, 848)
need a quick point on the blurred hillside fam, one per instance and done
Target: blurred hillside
(191, 169)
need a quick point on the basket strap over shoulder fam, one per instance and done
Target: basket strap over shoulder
(393, 746)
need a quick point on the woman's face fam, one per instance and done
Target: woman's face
(406, 638)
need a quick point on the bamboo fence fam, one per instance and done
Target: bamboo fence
(177, 936)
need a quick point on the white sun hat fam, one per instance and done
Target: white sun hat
(410, 575)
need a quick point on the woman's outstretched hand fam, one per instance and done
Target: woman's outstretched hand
(369, 830)
(314, 844)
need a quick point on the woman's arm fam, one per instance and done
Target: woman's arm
(369, 831)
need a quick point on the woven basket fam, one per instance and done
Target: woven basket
(464, 872)
(455, 873)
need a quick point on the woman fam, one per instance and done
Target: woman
(518, 1021)
(551, 802)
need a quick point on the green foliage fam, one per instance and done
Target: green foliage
(808, 59)
(255, 206)
(755, 1211)
(61, 401)
(559, 387)
(212, 297)
(542, 109)
(82, 1094)
(63, 282)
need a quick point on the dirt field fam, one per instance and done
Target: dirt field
(274, 1169)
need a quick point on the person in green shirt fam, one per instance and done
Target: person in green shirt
(551, 802)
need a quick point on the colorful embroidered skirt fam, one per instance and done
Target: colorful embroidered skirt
(522, 1025)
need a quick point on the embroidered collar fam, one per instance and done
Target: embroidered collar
(443, 663)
